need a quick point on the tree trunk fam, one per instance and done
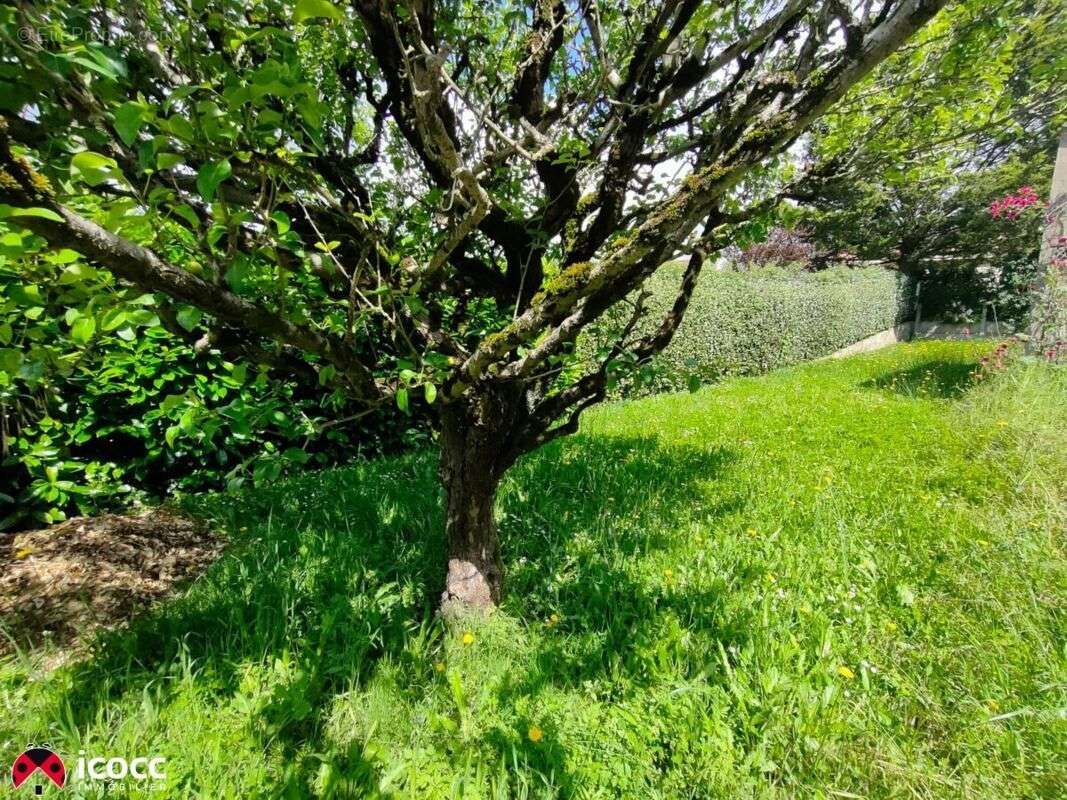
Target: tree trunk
(1048, 312)
(476, 451)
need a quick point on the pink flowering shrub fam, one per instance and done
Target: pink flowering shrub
(1012, 205)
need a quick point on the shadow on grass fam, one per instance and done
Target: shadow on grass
(941, 379)
(332, 572)
(603, 501)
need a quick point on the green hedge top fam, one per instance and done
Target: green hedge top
(752, 322)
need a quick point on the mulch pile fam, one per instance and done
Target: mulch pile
(61, 583)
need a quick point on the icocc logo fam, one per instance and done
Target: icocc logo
(38, 765)
(117, 768)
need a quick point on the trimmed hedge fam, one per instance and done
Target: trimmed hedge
(752, 322)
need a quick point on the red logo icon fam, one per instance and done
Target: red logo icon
(38, 758)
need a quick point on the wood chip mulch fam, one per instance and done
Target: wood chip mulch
(60, 584)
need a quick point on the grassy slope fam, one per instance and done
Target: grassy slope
(843, 579)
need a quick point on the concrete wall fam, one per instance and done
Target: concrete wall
(924, 330)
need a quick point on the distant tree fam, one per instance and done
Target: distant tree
(419, 203)
(968, 112)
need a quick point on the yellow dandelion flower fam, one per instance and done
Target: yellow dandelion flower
(771, 577)
(752, 532)
(554, 619)
(846, 673)
(992, 705)
(534, 734)
(668, 573)
(439, 666)
(891, 627)
(468, 637)
(25, 552)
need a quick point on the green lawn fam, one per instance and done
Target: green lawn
(845, 579)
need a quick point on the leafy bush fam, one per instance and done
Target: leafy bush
(104, 399)
(752, 322)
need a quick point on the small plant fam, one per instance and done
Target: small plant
(995, 362)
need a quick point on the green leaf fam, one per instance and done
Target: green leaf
(82, 330)
(296, 455)
(312, 9)
(402, 400)
(168, 160)
(237, 276)
(431, 393)
(113, 318)
(64, 256)
(210, 176)
(186, 212)
(281, 220)
(128, 122)
(171, 402)
(74, 273)
(43, 213)
(189, 317)
(181, 128)
(143, 316)
(187, 422)
(94, 168)
(172, 435)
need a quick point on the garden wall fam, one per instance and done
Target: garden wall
(907, 331)
(752, 322)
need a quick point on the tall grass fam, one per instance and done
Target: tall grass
(844, 579)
